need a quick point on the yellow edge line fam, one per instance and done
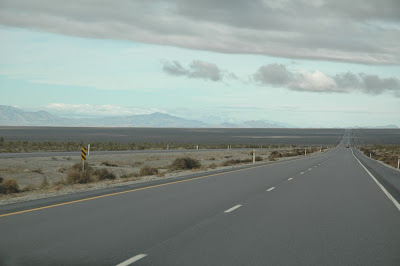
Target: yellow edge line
(123, 192)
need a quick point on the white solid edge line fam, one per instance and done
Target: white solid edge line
(379, 184)
(272, 188)
(233, 208)
(290, 178)
(132, 260)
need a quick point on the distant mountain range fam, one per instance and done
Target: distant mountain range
(377, 127)
(11, 116)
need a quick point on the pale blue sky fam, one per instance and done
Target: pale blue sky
(86, 76)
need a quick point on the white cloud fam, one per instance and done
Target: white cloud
(89, 110)
(313, 81)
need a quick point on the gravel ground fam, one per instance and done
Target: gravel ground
(31, 172)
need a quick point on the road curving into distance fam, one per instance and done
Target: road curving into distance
(320, 210)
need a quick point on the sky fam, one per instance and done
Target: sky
(310, 63)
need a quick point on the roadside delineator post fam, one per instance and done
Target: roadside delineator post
(305, 152)
(83, 157)
(167, 147)
(398, 163)
(370, 155)
(197, 147)
(88, 149)
(254, 156)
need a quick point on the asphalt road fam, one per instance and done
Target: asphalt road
(320, 210)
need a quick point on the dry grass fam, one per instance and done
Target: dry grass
(185, 163)
(45, 183)
(9, 186)
(38, 171)
(107, 163)
(103, 174)
(236, 161)
(75, 175)
(147, 170)
(388, 154)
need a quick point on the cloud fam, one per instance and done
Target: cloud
(274, 74)
(316, 81)
(89, 110)
(362, 31)
(197, 69)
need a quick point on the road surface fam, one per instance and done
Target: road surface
(319, 210)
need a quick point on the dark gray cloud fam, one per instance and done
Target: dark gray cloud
(197, 69)
(316, 81)
(363, 31)
(373, 84)
(274, 74)
(175, 68)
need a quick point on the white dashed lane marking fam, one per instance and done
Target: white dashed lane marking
(233, 208)
(132, 260)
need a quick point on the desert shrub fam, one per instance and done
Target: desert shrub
(213, 166)
(137, 164)
(161, 174)
(9, 186)
(275, 154)
(76, 176)
(185, 163)
(147, 170)
(259, 158)
(129, 175)
(103, 174)
(107, 163)
(38, 171)
(236, 161)
(61, 169)
(29, 188)
(44, 183)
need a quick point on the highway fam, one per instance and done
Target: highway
(317, 210)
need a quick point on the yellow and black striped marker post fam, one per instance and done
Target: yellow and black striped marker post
(83, 153)
(83, 157)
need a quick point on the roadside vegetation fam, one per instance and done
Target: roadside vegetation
(388, 154)
(118, 171)
(32, 146)
(8, 186)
